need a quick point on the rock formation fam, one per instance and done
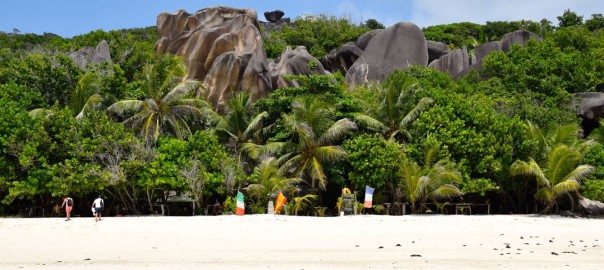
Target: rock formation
(396, 47)
(294, 62)
(91, 56)
(592, 208)
(221, 47)
(453, 62)
(590, 105)
(342, 58)
(274, 16)
(436, 50)
(505, 44)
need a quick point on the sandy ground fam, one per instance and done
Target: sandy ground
(286, 242)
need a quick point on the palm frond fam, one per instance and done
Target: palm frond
(414, 113)
(182, 90)
(255, 125)
(338, 130)
(446, 192)
(126, 107)
(40, 113)
(370, 122)
(330, 153)
(565, 187)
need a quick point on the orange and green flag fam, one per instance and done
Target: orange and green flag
(240, 204)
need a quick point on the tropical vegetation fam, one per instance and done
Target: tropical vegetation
(137, 133)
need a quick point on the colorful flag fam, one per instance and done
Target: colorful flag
(281, 200)
(368, 196)
(240, 205)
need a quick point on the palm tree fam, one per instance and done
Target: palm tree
(560, 174)
(546, 139)
(270, 179)
(314, 132)
(240, 124)
(395, 111)
(169, 103)
(434, 181)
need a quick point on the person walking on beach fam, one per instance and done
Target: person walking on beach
(98, 206)
(68, 203)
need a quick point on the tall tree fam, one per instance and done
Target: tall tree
(435, 179)
(560, 174)
(569, 18)
(315, 134)
(395, 111)
(240, 124)
(169, 102)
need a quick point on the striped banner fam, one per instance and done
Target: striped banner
(240, 204)
(369, 196)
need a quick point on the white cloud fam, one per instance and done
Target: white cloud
(433, 12)
(350, 11)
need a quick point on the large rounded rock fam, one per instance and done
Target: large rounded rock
(396, 47)
(436, 50)
(517, 37)
(221, 46)
(294, 62)
(592, 208)
(453, 62)
(484, 49)
(364, 39)
(342, 58)
(274, 16)
(90, 56)
(589, 105)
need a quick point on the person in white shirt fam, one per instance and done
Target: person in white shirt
(98, 206)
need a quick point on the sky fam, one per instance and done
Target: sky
(68, 18)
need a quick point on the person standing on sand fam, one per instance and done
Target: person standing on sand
(98, 206)
(68, 202)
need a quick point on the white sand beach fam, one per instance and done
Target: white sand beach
(288, 242)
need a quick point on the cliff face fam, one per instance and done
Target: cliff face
(221, 46)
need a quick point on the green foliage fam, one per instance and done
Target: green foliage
(595, 23)
(482, 141)
(321, 87)
(455, 35)
(479, 186)
(569, 18)
(274, 44)
(595, 156)
(493, 31)
(593, 189)
(51, 75)
(320, 34)
(174, 156)
(373, 24)
(559, 175)
(373, 160)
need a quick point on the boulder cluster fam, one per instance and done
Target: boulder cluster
(223, 48)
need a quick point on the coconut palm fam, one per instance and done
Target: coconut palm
(434, 181)
(303, 203)
(270, 179)
(560, 173)
(314, 133)
(395, 111)
(169, 105)
(546, 139)
(240, 124)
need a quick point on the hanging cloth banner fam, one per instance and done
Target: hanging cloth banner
(281, 200)
(240, 204)
(368, 196)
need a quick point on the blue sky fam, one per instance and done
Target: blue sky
(74, 17)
